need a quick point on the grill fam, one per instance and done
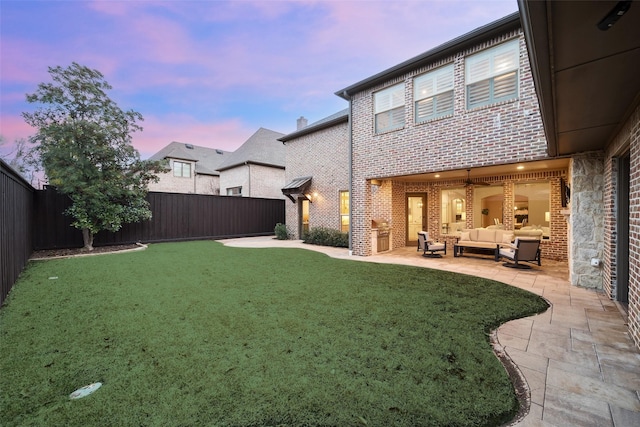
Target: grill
(383, 231)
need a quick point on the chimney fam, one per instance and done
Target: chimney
(302, 123)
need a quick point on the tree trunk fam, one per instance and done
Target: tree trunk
(87, 237)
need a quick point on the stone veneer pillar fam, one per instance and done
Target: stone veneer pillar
(586, 219)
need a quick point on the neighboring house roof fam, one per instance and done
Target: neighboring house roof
(261, 148)
(472, 38)
(339, 117)
(207, 160)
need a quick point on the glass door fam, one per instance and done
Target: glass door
(304, 217)
(416, 216)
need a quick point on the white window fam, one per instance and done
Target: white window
(182, 169)
(492, 75)
(433, 94)
(234, 191)
(389, 108)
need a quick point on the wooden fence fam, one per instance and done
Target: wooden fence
(34, 220)
(175, 217)
(16, 209)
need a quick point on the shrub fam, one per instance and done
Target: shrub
(326, 237)
(281, 231)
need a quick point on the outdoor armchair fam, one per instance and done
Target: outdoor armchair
(427, 245)
(520, 251)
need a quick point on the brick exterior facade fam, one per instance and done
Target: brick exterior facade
(196, 183)
(627, 141)
(256, 180)
(323, 155)
(502, 133)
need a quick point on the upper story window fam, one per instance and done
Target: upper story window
(433, 94)
(182, 169)
(234, 191)
(389, 108)
(492, 75)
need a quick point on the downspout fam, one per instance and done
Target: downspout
(248, 180)
(346, 95)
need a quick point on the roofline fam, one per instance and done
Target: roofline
(250, 162)
(310, 129)
(447, 49)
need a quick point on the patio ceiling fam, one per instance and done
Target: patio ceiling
(586, 78)
(486, 171)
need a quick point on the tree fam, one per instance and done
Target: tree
(19, 158)
(83, 142)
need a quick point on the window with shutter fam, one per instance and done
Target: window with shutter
(389, 108)
(433, 94)
(492, 75)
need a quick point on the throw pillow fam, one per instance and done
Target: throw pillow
(465, 235)
(506, 238)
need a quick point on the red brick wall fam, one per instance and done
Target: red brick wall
(627, 139)
(501, 133)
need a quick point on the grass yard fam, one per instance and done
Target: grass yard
(198, 334)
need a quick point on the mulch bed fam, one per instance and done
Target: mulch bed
(53, 253)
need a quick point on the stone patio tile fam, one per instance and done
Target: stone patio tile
(512, 341)
(589, 370)
(616, 340)
(568, 317)
(537, 383)
(623, 377)
(518, 327)
(546, 327)
(624, 418)
(528, 360)
(592, 388)
(605, 316)
(554, 350)
(597, 325)
(562, 408)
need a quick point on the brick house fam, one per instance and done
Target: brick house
(585, 59)
(317, 175)
(534, 119)
(190, 169)
(256, 168)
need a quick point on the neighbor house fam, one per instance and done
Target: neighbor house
(256, 169)
(189, 169)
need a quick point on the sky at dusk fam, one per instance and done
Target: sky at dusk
(211, 73)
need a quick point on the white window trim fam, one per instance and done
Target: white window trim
(178, 162)
(386, 101)
(429, 86)
(487, 66)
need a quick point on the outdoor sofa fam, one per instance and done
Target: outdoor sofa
(487, 239)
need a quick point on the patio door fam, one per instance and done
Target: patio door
(416, 208)
(622, 248)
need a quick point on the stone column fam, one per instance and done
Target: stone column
(586, 219)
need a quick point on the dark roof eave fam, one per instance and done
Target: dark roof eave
(536, 34)
(449, 48)
(250, 162)
(310, 129)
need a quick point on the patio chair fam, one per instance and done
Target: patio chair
(428, 246)
(522, 250)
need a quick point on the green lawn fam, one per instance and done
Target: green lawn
(198, 334)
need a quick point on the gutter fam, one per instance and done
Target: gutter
(472, 38)
(350, 155)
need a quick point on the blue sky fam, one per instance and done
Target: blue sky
(211, 73)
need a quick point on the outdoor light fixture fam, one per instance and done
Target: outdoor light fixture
(616, 13)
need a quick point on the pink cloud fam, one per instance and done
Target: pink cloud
(226, 135)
